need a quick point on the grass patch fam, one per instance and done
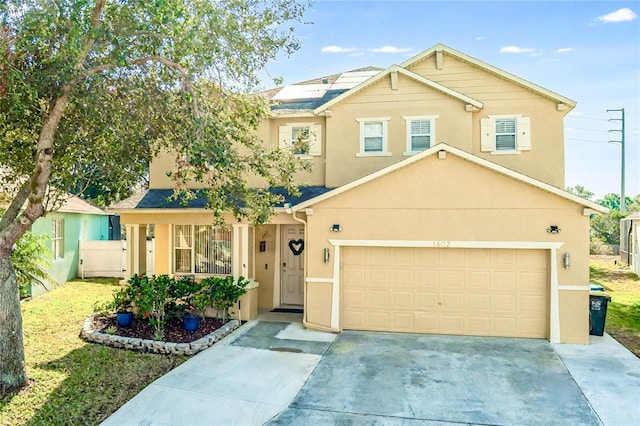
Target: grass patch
(72, 381)
(623, 313)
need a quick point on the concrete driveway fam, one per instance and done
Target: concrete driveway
(400, 379)
(274, 371)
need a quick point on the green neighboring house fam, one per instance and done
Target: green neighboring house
(76, 220)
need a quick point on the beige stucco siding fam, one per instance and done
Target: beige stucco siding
(545, 160)
(265, 264)
(453, 125)
(452, 199)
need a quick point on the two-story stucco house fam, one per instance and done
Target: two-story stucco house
(435, 205)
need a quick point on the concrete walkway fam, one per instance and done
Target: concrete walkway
(609, 377)
(274, 370)
(232, 383)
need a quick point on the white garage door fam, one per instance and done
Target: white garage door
(484, 292)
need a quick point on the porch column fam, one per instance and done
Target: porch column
(241, 248)
(136, 250)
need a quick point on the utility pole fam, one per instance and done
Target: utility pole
(623, 203)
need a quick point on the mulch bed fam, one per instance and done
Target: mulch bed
(173, 332)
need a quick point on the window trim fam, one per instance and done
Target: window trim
(315, 138)
(432, 131)
(192, 247)
(519, 118)
(57, 238)
(385, 136)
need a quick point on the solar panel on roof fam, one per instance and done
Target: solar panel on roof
(302, 91)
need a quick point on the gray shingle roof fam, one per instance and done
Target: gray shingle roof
(163, 198)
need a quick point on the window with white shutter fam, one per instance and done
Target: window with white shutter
(505, 134)
(420, 133)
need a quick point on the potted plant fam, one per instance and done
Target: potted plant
(122, 305)
(197, 299)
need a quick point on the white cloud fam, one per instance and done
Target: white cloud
(516, 49)
(356, 54)
(620, 15)
(540, 53)
(337, 49)
(389, 49)
(481, 38)
(564, 50)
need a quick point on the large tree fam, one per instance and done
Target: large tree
(91, 90)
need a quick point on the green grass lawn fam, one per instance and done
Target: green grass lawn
(71, 381)
(623, 313)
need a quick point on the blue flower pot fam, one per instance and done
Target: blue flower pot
(124, 318)
(191, 322)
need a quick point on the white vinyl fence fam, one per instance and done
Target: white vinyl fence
(107, 258)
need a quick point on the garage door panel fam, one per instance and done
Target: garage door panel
(427, 278)
(477, 325)
(451, 324)
(377, 277)
(504, 281)
(492, 292)
(355, 297)
(426, 258)
(402, 278)
(377, 299)
(377, 256)
(504, 303)
(478, 280)
(353, 256)
(426, 301)
(477, 302)
(532, 303)
(451, 302)
(354, 275)
(403, 300)
(534, 282)
(503, 326)
(426, 322)
(503, 258)
(402, 321)
(354, 319)
(477, 258)
(452, 278)
(452, 257)
(401, 256)
(532, 327)
(377, 320)
(531, 258)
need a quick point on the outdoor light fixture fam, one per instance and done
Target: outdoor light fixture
(335, 228)
(553, 229)
(566, 261)
(326, 255)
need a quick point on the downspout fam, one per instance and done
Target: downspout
(304, 277)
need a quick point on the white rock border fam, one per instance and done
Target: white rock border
(90, 334)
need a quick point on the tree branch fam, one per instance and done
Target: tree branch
(16, 205)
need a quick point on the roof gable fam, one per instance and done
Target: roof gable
(490, 69)
(395, 68)
(464, 155)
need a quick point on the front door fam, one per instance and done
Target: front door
(292, 256)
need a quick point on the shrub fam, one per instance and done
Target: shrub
(31, 259)
(224, 292)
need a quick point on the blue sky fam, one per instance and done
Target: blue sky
(588, 51)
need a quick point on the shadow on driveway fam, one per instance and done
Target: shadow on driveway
(388, 378)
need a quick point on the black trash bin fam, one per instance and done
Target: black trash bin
(598, 312)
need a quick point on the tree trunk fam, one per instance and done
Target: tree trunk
(12, 371)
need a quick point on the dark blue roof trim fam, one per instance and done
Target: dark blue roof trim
(163, 198)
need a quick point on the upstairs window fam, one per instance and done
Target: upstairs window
(373, 136)
(201, 249)
(303, 138)
(420, 133)
(57, 242)
(505, 134)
